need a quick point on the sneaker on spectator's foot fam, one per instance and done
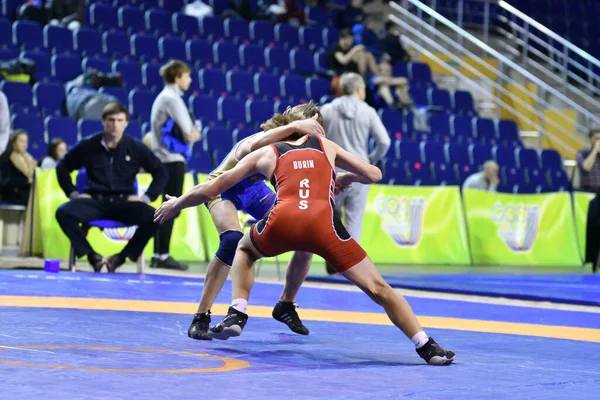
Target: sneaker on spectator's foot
(115, 262)
(285, 311)
(435, 354)
(231, 325)
(96, 261)
(168, 263)
(199, 327)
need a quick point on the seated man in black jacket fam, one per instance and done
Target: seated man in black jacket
(112, 161)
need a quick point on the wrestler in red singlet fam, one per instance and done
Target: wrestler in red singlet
(304, 217)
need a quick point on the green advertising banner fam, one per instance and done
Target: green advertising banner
(415, 225)
(513, 229)
(186, 243)
(581, 203)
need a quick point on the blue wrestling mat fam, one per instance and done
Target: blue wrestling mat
(124, 336)
(559, 288)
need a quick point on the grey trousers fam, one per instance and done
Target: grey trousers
(353, 201)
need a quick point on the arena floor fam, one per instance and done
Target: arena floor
(88, 336)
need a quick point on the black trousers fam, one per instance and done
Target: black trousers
(72, 214)
(176, 172)
(592, 234)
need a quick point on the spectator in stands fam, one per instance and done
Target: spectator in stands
(346, 57)
(588, 164)
(68, 13)
(349, 121)
(111, 160)
(393, 44)
(56, 151)
(383, 84)
(17, 170)
(485, 180)
(83, 101)
(4, 122)
(174, 133)
(364, 33)
(353, 14)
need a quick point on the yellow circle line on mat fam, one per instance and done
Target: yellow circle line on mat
(171, 307)
(229, 364)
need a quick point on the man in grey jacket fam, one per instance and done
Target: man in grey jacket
(349, 122)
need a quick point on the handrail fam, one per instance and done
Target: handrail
(547, 31)
(437, 46)
(566, 100)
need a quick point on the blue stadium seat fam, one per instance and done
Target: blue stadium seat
(49, 97)
(262, 32)
(5, 33)
(186, 26)
(512, 175)
(301, 62)
(278, 58)
(201, 161)
(120, 93)
(219, 155)
(96, 64)
(551, 159)
(173, 5)
(232, 109)
(408, 151)
(62, 127)
(286, 35)
(527, 158)
(28, 34)
(33, 124)
(116, 44)
(317, 88)
(43, 68)
(240, 83)
(149, 4)
(559, 179)
(131, 19)
(130, 70)
(252, 56)
(37, 147)
(457, 153)
(144, 47)
(463, 103)
(226, 53)
(199, 51)
(267, 85)
(212, 80)
(464, 171)
(537, 178)
(17, 93)
(432, 152)
(104, 16)
(395, 173)
(151, 76)
(237, 30)
(293, 86)
(331, 37)
(134, 130)
(485, 129)
(444, 174)
(419, 95)
(311, 37)
(220, 5)
(392, 120)
(508, 133)
(400, 69)
(212, 28)
(140, 103)
(58, 38)
(480, 154)
(8, 53)
(525, 188)
(505, 157)
(204, 107)
(216, 138)
(439, 99)
(88, 127)
(259, 111)
(171, 48)
(158, 21)
(240, 134)
(440, 126)
(281, 105)
(420, 74)
(88, 42)
(419, 173)
(316, 16)
(462, 129)
(320, 60)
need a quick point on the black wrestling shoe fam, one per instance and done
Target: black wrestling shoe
(199, 328)
(435, 354)
(96, 261)
(285, 312)
(231, 325)
(169, 263)
(115, 262)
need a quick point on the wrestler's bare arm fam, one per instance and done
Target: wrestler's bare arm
(360, 171)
